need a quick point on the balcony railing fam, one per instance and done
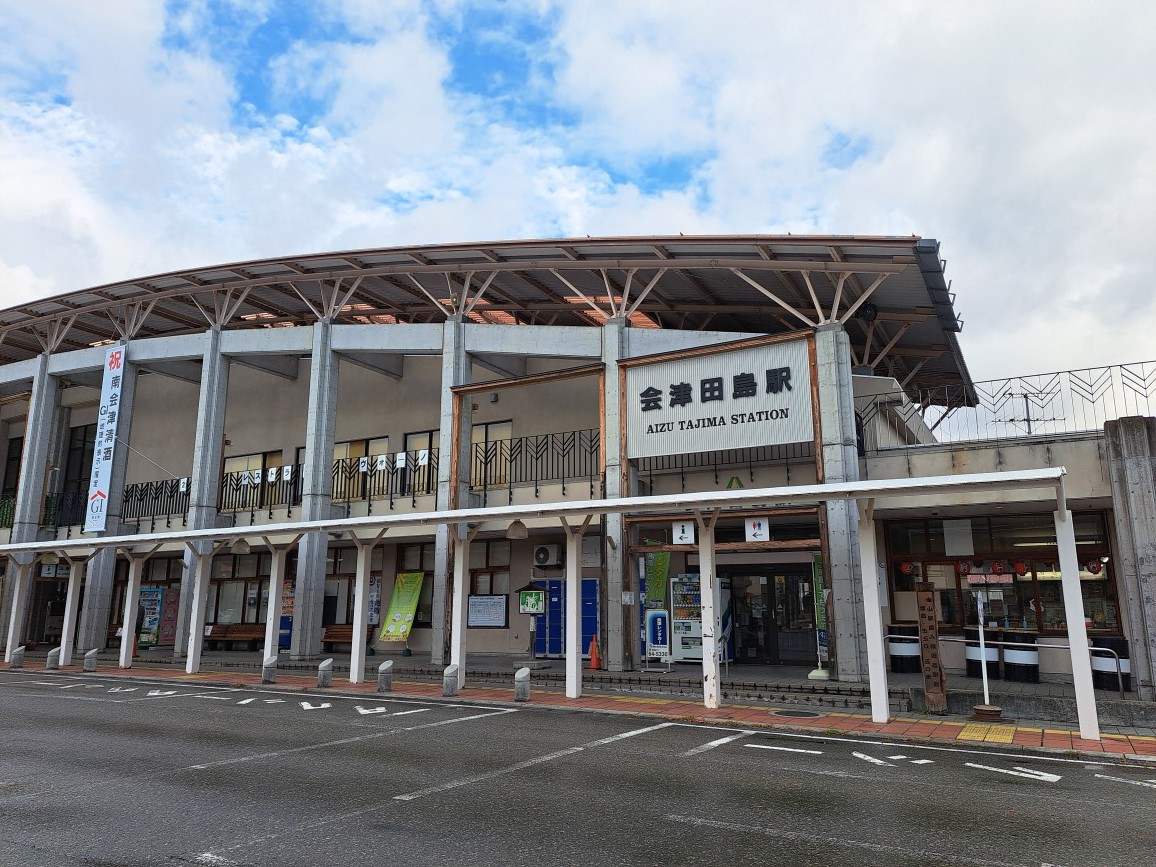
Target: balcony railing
(1039, 406)
(392, 477)
(261, 490)
(64, 509)
(728, 464)
(567, 458)
(151, 501)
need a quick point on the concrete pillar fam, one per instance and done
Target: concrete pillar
(279, 556)
(573, 623)
(316, 493)
(1131, 462)
(205, 480)
(76, 566)
(202, 568)
(708, 598)
(458, 609)
(1077, 630)
(100, 577)
(41, 440)
(841, 464)
(21, 584)
(131, 601)
(621, 622)
(872, 615)
(455, 371)
(361, 607)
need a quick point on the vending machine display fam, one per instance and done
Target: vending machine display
(686, 617)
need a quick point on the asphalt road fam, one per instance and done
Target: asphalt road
(124, 772)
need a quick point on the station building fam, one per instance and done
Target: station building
(396, 381)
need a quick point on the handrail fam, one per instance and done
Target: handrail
(1033, 645)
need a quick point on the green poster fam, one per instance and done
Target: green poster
(657, 567)
(402, 606)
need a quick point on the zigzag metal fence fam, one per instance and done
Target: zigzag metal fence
(391, 477)
(164, 498)
(566, 457)
(1042, 405)
(256, 491)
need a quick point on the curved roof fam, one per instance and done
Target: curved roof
(890, 292)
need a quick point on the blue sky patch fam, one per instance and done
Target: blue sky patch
(843, 150)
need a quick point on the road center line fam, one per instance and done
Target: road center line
(1150, 784)
(921, 855)
(710, 745)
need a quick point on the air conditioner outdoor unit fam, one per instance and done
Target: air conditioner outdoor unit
(547, 555)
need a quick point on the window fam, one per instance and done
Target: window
(420, 476)
(246, 480)
(351, 465)
(12, 467)
(490, 453)
(1014, 555)
(417, 558)
(490, 567)
(78, 460)
(238, 588)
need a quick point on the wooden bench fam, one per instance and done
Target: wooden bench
(252, 634)
(337, 633)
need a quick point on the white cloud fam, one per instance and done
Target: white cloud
(1022, 136)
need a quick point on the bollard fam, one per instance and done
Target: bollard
(90, 660)
(269, 670)
(522, 684)
(385, 676)
(52, 662)
(325, 673)
(17, 658)
(450, 681)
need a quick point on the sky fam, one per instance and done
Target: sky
(139, 137)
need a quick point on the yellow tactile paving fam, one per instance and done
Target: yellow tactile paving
(973, 732)
(1000, 735)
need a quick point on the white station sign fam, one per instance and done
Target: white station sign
(733, 399)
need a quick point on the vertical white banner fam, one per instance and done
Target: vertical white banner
(96, 514)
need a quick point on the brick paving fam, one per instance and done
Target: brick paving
(940, 730)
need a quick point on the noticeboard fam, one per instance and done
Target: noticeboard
(487, 611)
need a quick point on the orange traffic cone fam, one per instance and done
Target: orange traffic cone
(595, 659)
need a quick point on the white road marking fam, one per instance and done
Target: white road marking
(603, 741)
(872, 760)
(1150, 784)
(246, 700)
(528, 763)
(155, 692)
(366, 711)
(921, 855)
(212, 697)
(923, 761)
(1026, 773)
(342, 741)
(896, 758)
(710, 745)
(784, 749)
(407, 712)
(122, 689)
(274, 701)
(308, 706)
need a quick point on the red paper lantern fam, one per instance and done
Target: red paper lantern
(907, 568)
(998, 567)
(1094, 566)
(963, 567)
(1020, 567)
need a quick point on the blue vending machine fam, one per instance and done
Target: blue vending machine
(549, 635)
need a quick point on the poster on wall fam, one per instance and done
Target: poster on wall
(150, 600)
(402, 606)
(819, 598)
(656, 566)
(374, 599)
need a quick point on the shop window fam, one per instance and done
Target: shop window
(907, 537)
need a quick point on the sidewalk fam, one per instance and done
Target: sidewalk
(1024, 736)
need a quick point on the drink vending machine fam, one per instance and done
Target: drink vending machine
(686, 618)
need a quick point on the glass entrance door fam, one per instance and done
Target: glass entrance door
(774, 615)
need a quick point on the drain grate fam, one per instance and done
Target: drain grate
(795, 713)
